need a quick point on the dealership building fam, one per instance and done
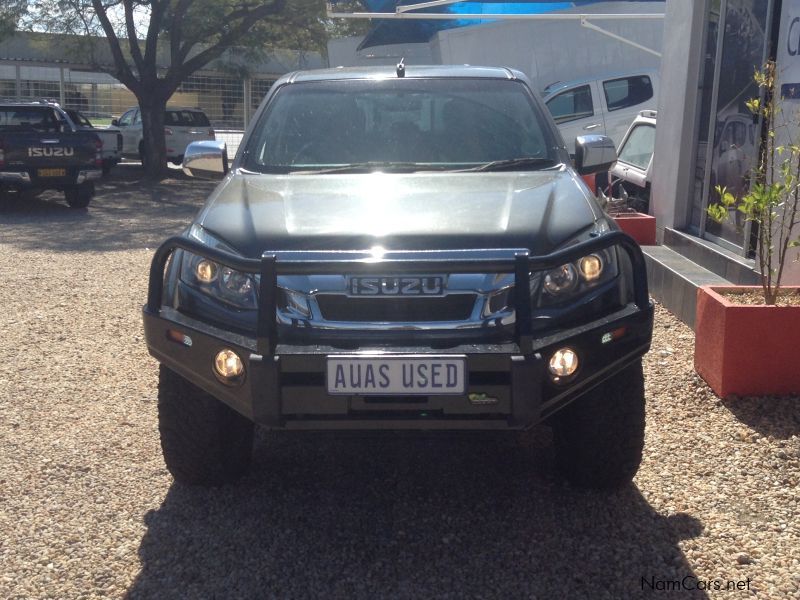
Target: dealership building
(711, 50)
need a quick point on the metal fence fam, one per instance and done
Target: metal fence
(228, 100)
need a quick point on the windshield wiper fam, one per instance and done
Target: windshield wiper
(514, 163)
(372, 166)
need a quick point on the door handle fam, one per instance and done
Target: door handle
(592, 126)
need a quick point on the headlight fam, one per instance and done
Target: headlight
(219, 281)
(229, 285)
(575, 278)
(561, 280)
(206, 271)
(591, 267)
(216, 280)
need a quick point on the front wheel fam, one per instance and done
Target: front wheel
(204, 442)
(79, 196)
(599, 438)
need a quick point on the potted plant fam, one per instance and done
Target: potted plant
(746, 337)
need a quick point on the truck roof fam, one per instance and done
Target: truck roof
(411, 72)
(28, 105)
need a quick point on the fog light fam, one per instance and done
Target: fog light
(206, 271)
(591, 267)
(228, 366)
(563, 363)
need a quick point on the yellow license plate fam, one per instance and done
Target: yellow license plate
(52, 172)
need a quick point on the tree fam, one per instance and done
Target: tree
(11, 11)
(156, 44)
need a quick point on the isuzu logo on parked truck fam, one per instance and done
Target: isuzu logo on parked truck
(396, 286)
(42, 152)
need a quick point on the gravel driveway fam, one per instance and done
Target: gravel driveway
(87, 509)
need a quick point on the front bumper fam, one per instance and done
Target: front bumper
(508, 385)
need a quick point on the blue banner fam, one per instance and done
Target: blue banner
(386, 32)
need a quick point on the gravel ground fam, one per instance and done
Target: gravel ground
(87, 509)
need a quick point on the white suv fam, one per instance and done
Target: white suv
(182, 126)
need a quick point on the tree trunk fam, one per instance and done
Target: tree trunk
(153, 148)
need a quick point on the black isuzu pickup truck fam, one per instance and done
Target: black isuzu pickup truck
(402, 248)
(40, 150)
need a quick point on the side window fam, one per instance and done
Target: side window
(628, 91)
(126, 120)
(137, 120)
(571, 105)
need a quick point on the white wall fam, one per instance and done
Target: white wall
(549, 51)
(546, 51)
(342, 53)
(677, 106)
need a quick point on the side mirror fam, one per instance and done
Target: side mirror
(594, 154)
(207, 159)
(115, 122)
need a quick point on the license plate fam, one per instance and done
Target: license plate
(397, 375)
(52, 172)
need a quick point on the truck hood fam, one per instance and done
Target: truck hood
(540, 210)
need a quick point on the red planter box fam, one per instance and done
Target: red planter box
(748, 350)
(639, 226)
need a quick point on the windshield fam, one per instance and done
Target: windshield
(638, 148)
(409, 124)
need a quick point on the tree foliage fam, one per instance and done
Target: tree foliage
(178, 37)
(11, 11)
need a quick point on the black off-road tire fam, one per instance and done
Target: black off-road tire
(204, 442)
(79, 196)
(599, 438)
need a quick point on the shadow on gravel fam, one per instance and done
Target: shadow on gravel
(775, 417)
(128, 212)
(386, 516)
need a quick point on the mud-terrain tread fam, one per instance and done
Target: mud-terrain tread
(204, 442)
(599, 438)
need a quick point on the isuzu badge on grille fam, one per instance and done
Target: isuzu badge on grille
(428, 285)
